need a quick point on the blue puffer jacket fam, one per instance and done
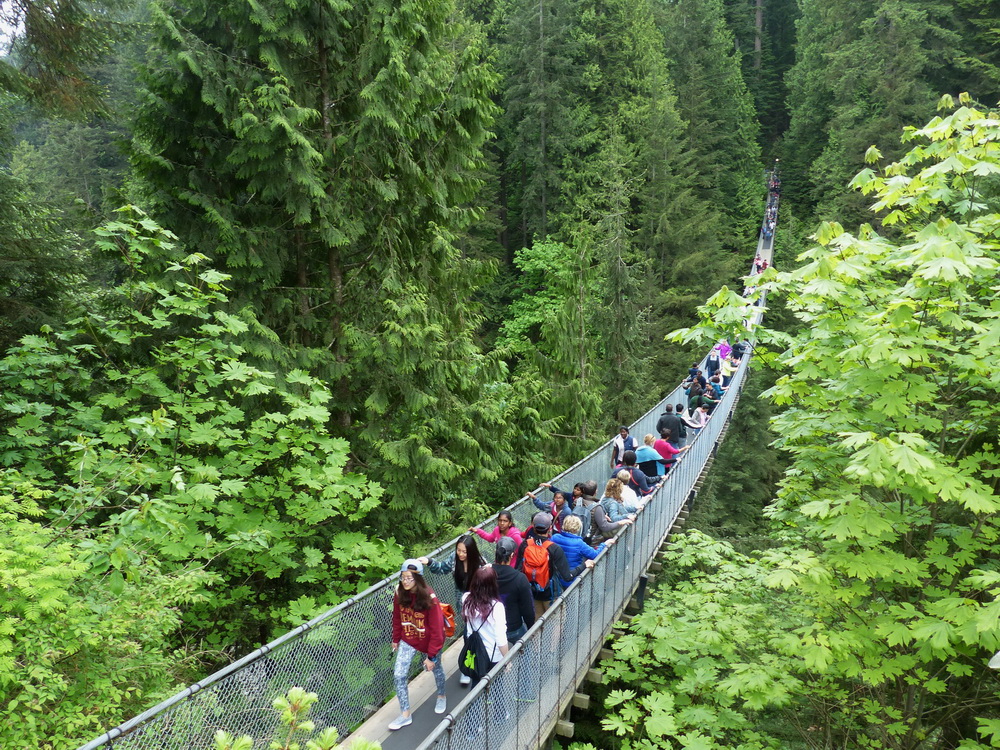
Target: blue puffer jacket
(576, 550)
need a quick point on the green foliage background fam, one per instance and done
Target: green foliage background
(866, 615)
(385, 265)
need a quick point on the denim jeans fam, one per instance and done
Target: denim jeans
(514, 635)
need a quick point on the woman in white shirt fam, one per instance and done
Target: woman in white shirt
(483, 611)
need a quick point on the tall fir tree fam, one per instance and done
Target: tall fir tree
(645, 146)
(543, 74)
(623, 314)
(978, 22)
(719, 110)
(550, 326)
(624, 206)
(328, 153)
(764, 36)
(865, 70)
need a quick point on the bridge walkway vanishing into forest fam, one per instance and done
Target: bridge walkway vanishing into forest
(344, 655)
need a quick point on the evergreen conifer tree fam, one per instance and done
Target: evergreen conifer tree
(327, 154)
(978, 22)
(862, 72)
(719, 110)
(551, 327)
(543, 77)
(624, 311)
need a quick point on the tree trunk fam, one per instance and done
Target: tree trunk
(334, 265)
(582, 344)
(543, 160)
(758, 33)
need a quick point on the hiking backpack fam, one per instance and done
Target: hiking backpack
(535, 566)
(474, 662)
(448, 615)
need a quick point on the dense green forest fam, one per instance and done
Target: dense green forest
(290, 289)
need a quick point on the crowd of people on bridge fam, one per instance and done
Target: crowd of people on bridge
(500, 600)
(771, 213)
(767, 232)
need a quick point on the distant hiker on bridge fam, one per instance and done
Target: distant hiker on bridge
(611, 502)
(693, 392)
(638, 480)
(650, 461)
(665, 448)
(712, 363)
(485, 616)
(698, 419)
(715, 382)
(417, 628)
(571, 497)
(729, 366)
(670, 422)
(622, 442)
(543, 563)
(602, 525)
(630, 499)
(577, 551)
(462, 563)
(585, 504)
(739, 349)
(681, 411)
(560, 507)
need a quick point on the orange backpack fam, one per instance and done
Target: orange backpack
(535, 565)
(448, 613)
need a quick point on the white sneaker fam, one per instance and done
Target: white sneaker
(464, 680)
(441, 704)
(399, 722)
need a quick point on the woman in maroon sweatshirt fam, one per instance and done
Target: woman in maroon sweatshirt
(417, 627)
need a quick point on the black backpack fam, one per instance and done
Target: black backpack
(474, 662)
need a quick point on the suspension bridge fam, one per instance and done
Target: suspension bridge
(344, 655)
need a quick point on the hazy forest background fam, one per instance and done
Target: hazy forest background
(291, 289)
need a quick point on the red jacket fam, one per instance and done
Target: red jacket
(421, 628)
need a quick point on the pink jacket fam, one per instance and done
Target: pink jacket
(513, 532)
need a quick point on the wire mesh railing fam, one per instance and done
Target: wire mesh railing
(344, 655)
(517, 704)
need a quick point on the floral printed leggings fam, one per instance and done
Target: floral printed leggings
(401, 674)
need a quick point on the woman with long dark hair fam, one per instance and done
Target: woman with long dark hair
(484, 613)
(462, 564)
(417, 627)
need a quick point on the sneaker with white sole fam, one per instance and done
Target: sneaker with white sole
(441, 704)
(399, 722)
(464, 679)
